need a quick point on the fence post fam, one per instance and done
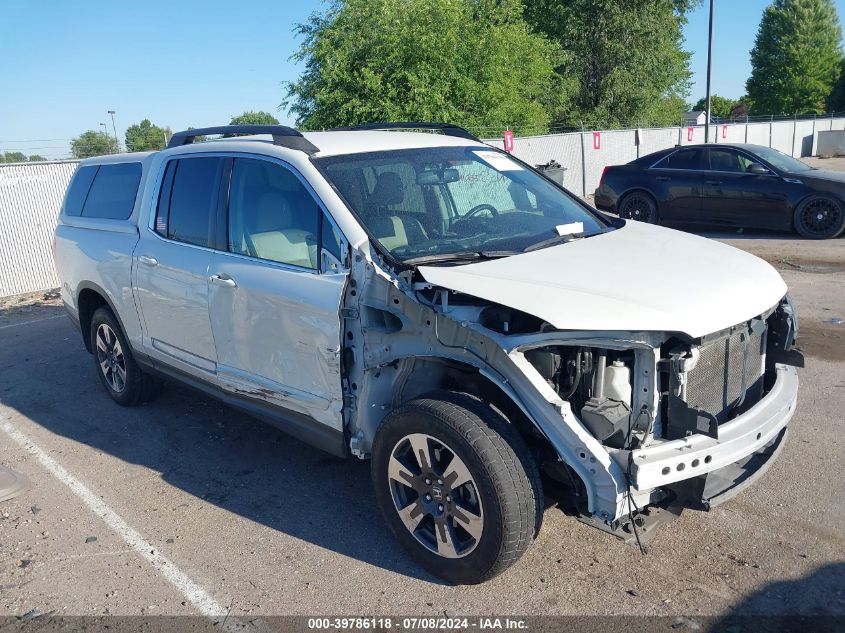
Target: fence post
(583, 165)
(794, 131)
(746, 129)
(771, 123)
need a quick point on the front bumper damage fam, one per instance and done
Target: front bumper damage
(666, 462)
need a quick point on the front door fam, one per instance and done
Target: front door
(734, 196)
(275, 293)
(170, 267)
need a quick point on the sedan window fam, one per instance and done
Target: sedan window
(683, 159)
(727, 160)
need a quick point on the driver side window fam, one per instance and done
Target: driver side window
(727, 160)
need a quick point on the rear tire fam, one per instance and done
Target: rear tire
(457, 486)
(122, 377)
(820, 217)
(639, 205)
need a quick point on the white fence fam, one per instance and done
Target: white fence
(30, 198)
(586, 154)
(31, 194)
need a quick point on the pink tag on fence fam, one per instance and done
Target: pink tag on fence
(508, 141)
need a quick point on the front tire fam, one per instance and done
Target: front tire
(819, 218)
(457, 486)
(124, 380)
(638, 205)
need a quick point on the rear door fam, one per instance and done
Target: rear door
(275, 292)
(733, 196)
(171, 262)
(677, 182)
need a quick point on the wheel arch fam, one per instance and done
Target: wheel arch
(89, 297)
(417, 376)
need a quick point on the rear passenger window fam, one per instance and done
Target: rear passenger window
(188, 200)
(684, 159)
(104, 191)
(272, 215)
(78, 190)
(112, 194)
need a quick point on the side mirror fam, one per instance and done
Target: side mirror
(758, 169)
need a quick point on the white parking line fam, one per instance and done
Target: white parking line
(50, 318)
(196, 595)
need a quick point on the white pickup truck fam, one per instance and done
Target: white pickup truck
(409, 294)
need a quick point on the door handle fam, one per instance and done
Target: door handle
(714, 182)
(149, 261)
(663, 178)
(222, 280)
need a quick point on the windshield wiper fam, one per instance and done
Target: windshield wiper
(460, 256)
(556, 239)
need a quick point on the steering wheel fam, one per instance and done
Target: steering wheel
(478, 209)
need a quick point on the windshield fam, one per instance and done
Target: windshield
(780, 160)
(438, 201)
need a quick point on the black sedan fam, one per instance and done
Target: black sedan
(729, 185)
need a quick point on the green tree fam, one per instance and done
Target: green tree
(625, 60)
(796, 57)
(93, 143)
(35, 158)
(836, 100)
(144, 137)
(254, 118)
(14, 157)
(475, 63)
(719, 106)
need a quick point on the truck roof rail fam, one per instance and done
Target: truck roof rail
(282, 135)
(449, 129)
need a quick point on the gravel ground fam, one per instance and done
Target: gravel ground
(262, 524)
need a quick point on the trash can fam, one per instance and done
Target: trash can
(552, 170)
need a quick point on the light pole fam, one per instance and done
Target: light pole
(709, 68)
(105, 130)
(114, 127)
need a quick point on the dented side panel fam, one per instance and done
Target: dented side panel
(277, 334)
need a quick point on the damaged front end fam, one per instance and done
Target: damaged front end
(689, 422)
(627, 426)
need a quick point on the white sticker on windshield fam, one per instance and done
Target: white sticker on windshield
(573, 228)
(499, 162)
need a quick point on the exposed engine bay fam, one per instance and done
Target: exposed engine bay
(602, 409)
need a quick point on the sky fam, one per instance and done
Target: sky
(195, 63)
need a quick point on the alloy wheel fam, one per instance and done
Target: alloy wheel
(110, 358)
(435, 495)
(638, 207)
(820, 216)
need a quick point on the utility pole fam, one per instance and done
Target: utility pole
(105, 130)
(709, 68)
(117, 142)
